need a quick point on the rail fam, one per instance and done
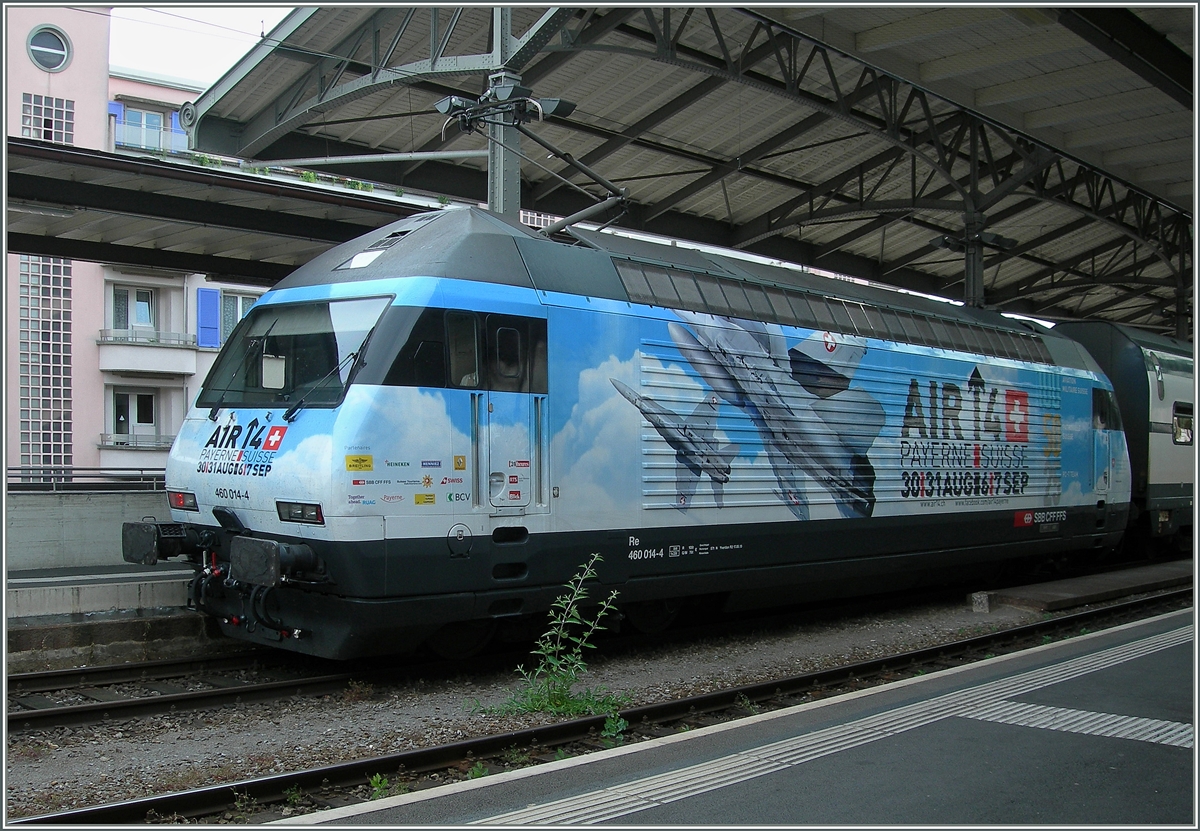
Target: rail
(63, 479)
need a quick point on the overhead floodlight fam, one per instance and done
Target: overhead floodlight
(996, 240)
(948, 242)
(507, 92)
(556, 106)
(453, 104)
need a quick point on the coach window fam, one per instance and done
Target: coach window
(1181, 423)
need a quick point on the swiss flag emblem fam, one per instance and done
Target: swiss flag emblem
(1016, 415)
(274, 438)
(1022, 519)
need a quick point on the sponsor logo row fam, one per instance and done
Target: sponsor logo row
(364, 462)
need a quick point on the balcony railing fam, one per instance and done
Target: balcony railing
(135, 442)
(60, 478)
(137, 136)
(147, 336)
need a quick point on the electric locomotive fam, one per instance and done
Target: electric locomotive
(424, 432)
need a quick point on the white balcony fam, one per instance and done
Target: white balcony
(129, 441)
(147, 351)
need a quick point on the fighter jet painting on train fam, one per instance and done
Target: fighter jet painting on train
(692, 439)
(809, 419)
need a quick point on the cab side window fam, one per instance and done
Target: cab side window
(420, 360)
(516, 354)
(462, 337)
(455, 349)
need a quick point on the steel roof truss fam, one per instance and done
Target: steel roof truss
(274, 121)
(1149, 233)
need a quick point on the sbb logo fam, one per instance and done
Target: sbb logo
(1022, 519)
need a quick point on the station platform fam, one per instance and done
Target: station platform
(93, 615)
(1089, 731)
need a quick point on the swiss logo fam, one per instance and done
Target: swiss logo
(274, 438)
(1016, 415)
(1022, 519)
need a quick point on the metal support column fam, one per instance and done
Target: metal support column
(504, 165)
(973, 265)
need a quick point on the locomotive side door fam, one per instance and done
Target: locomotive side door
(1104, 419)
(513, 357)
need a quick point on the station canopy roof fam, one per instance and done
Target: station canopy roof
(877, 142)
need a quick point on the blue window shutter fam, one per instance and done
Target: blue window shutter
(178, 137)
(118, 109)
(208, 317)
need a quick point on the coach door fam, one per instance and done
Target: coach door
(515, 356)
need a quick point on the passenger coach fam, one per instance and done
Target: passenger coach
(424, 432)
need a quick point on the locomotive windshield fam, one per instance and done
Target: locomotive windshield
(280, 354)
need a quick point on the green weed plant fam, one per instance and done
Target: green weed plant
(550, 686)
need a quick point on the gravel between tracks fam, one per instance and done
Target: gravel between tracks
(58, 769)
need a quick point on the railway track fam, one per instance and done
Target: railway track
(89, 694)
(73, 697)
(344, 782)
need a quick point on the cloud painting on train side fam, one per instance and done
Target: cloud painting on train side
(797, 399)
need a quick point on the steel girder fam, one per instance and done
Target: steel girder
(938, 146)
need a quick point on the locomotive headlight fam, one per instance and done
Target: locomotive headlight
(182, 500)
(300, 512)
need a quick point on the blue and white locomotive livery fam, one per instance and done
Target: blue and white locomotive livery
(425, 431)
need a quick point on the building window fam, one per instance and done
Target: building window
(49, 48)
(141, 128)
(217, 312)
(47, 118)
(45, 361)
(134, 415)
(133, 308)
(233, 309)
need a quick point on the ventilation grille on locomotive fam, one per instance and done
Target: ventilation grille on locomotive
(699, 292)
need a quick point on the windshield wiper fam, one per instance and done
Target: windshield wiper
(260, 345)
(289, 414)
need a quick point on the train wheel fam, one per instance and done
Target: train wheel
(652, 616)
(463, 639)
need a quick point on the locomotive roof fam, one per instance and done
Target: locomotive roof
(475, 244)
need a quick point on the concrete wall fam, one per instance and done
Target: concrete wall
(61, 530)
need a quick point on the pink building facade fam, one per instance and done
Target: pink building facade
(102, 360)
